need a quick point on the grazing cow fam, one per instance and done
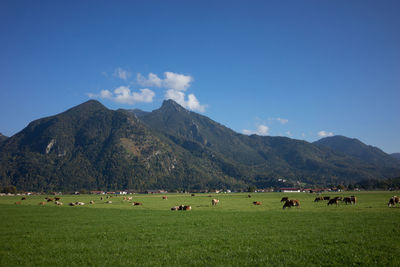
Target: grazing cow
(18, 203)
(291, 203)
(164, 197)
(23, 198)
(257, 203)
(129, 198)
(187, 207)
(317, 199)
(137, 203)
(42, 203)
(338, 198)
(327, 198)
(249, 196)
(347, 200)
(49, 199)
(209, 195)
(353, 199)
(333, 201)
(124, 198)
(193, 195)
(284, 199)
(109, 202)
(175, 208)
(79, 203)
(101, 198)
(393, 201)
(214, 201)
(58, 203)
(72, 204)
(91, 202)
(57, 198)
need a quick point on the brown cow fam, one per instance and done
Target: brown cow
(49, 199)
(23, 198)
(137, 203)
(284, 199)
(182, 207)
(249, 196)
(214, 201)
(257, 203)
(317, 199)
(193, 195)
(57, 198)
(91, 202)
(187, 207)
(333, 201)
(42, 203)
(164, 197)
(327, 198)
(18, 203)
(291, 203)
(347, 200)
(393, 201)
(350, 200)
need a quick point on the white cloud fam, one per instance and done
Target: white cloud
(282, 121)
(288, 133)
(179, 97)
(152, 80)
(325, 134)
(175, 81)
(176, 84)
(261, 130)
(124, 95)
(247, 132)
(122, 74)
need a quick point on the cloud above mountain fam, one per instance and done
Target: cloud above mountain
(325, 134)
(124, 95)
(261, 130)
(176, 85)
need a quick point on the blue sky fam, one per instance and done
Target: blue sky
(302, 69)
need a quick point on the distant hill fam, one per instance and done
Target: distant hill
(355, 148)
(2, 137)
(92, 147)
(395, 155)
(386, 184)
(258, 160)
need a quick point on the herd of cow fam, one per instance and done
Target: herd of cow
(288, 203)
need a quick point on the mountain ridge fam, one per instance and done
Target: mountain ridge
(92, 147)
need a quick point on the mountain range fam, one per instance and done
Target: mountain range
(395, 155)
(2, 137)
(92, 147)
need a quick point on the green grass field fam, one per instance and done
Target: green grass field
(233, 233)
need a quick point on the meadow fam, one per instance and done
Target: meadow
(233, 233)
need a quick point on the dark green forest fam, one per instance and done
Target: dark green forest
(90, 147)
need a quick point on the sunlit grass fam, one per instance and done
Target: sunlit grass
(235, 232)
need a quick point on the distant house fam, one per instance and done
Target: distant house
(121, 193)
(290, 190)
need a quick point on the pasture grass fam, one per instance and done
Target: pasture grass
(233, 233)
